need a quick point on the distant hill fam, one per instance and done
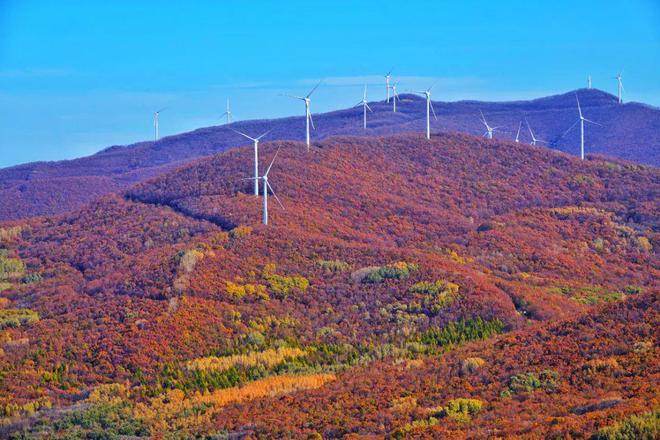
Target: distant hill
(630, 132)
(401, 274)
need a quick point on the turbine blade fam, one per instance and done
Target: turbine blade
(315, 87)
(243, 134)
(570, 128)
(529, 128)
(483, 119)
(578, 103)
(272, 161)
(311, 120)
(275, 195)
(592, 122)
(263, 135)
(433, 110)
(292, 96)
(368, 107)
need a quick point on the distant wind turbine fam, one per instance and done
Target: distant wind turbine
(308, 114)
(228, 113)
(531, 133)
(387, 83)
(518, 133)
(581, 121)
(256, 157)
(266, 186)
(156, 128)
(618, 78)
(489, 130)
(365, 107)
(395, 96)
(429, 109)
(589, 82)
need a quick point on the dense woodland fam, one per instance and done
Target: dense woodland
(452, 288)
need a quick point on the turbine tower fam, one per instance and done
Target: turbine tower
(395, 96)
(267, 186)
(618, 78)
(256, 157)
(518, 133)
(156, 128)
(531, 133)
(589, 82)
(489, 130)
(387, 83)
(581, 121)
(227, 113)
(365, 107)
(308, 114)
(429, 109)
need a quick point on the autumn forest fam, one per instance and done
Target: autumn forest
(456, 288)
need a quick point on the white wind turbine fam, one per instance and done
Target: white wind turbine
(395, 96)
(228, 113)
(308, 114)
(618, 78)
(589, 82)
(429, 109)
(489, 130)
(256, 157)
(267, 186)
(531, 133)
(365, 106)
(582, 120)
(518, 133)
(387, 83)
(156, 128)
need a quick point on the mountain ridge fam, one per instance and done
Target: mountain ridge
(25, 191)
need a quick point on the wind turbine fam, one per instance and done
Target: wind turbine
(228, 113)
(518, 133)
(387, 83)
(395, 96)
(266, 186)
(531, 133)
(619, 87)
(365, 107)
(308, 114)
(582, 120)
(589, 82)
(489, 130)
(256, 157)
(429, 109)
(156, 115)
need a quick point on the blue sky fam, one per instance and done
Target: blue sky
(77, 76)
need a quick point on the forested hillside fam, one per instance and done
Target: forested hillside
(456, 287)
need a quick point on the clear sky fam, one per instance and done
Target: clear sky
(77, 76)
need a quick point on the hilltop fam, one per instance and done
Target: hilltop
(402, 276)
(630, 132)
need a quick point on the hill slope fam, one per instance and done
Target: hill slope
(170, 309)
(630, 131)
